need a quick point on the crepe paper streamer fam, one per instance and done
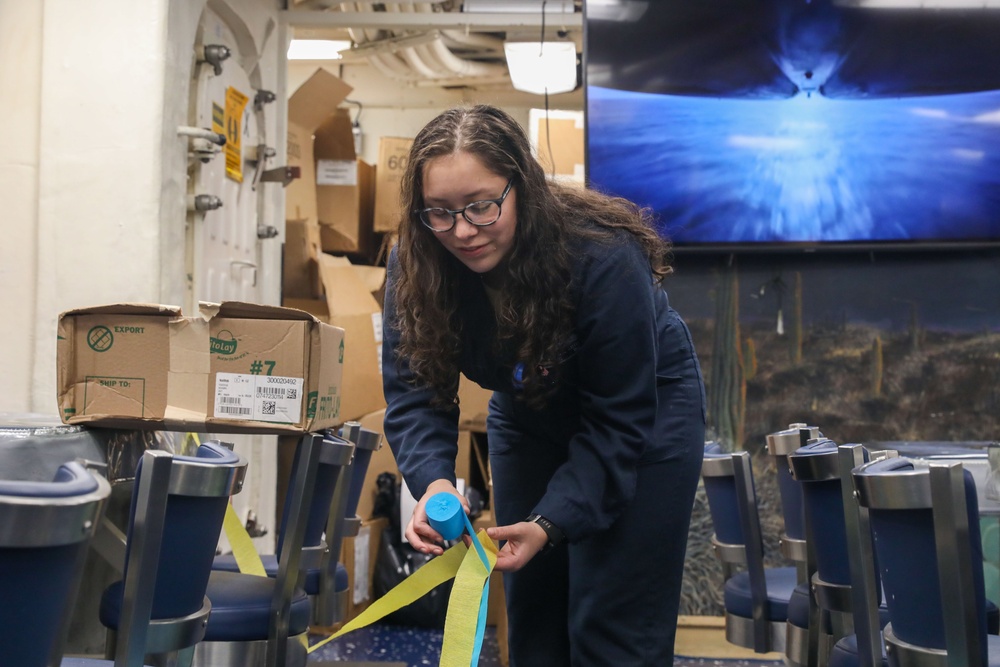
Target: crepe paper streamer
(447, 517)
(465, 621)
(247, 558)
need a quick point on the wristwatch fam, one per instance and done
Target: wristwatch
(555, 535)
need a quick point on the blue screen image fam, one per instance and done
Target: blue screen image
(804, 169)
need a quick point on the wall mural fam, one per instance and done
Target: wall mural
(869, 347)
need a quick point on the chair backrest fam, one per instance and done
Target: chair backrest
(334, 458)
(780, 445)
(341, 521)
(366, 442)
(816, 467)
(925, 522)
(738, 541)
(175, 521)
(45, 528)
(845, 582)
(718, 475)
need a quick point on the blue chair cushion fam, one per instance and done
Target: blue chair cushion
(227, 563)
(798, 607)
(781, 582)
(241, 607)
(845, 653)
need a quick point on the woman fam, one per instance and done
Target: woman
(550, 297)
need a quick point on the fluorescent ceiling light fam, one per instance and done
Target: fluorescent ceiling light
(542, 67)
(317, 49)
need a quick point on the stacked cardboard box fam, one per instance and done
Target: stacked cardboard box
(336, 190)
(234, 367)
(393, 153)
(348, 303)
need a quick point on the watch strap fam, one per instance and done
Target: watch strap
(555, 535)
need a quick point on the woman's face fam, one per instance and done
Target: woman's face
(457, 180)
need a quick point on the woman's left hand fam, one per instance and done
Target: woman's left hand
(524, 540)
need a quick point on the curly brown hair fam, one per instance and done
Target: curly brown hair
(535, 311)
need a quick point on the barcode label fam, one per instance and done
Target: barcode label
(237, 412)
(268, 398)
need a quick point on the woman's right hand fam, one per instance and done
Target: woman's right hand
(419, 532)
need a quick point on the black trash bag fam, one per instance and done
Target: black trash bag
(396, 560)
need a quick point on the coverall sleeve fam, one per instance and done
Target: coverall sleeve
(423, 438)
(617, 357)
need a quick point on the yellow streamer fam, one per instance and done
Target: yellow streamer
(247, 558)
(470, 576)
(461, 622)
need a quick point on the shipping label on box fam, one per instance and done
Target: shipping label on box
(258, 369)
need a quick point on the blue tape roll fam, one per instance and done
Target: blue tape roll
(446, 516)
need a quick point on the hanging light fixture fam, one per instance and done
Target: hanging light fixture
(542, 67)
(317, 49)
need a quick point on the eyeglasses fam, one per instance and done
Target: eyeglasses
(478, 213)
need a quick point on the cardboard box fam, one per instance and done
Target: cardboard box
(473, 404)
(300, 266)
(336, 189)
(558, 140)
(308, 107)
(393, 153)
(345, 188)
(349, 305)
(235, 367)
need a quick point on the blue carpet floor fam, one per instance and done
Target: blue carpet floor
(416, 647)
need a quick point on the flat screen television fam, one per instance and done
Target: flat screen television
(782, 124)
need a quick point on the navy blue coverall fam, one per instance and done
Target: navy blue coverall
(613, 460)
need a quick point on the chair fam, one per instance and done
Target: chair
(925, 527)
(45, 530)
(801, 630)
(330, 604)
(331, 473)
(844, 585)
(755, 598)
(779, 445)
(175, 521)
(264, 620)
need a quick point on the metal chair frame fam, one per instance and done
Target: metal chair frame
(802, 645)
(939, 487)
(37, 521)
(756, 632)
(163, 476)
